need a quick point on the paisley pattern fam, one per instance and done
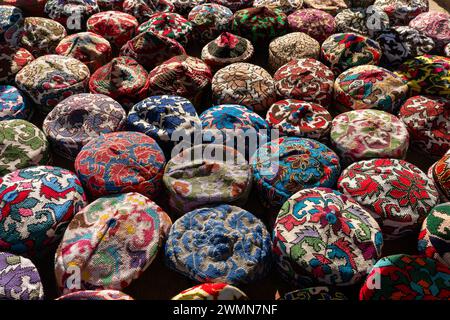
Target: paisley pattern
(227, 49)
(118, 235)
(13, 104)
(11, 20)
(163, 118)
(19, 279)
(206, 175)
(434, 237)
(115, 26)
(52, 78)
(12, 60)
(364, 21)
(323, 236)
(289, 164)
(317, 24)
(314, 294)
(244, 84)
(295, 45)
(219, 244)
(79, 119)
(143, 9)
(428, 122)
(229, 121)
(343, 51)
(183, 76)
(211, 291)
(305, 79)
(427, 74)
(405, 277)
(209, 20)
(398, 194)
(402, 43)
(151, 49)
(300, 119)
(259, 24)
(435, 25)
(369, 87)
(121, 162)
(37, 204)
(170, 25)
(40, 36)
(22, 145)
(87, 47)
(401, 12)
(365, 134)
(96, 295)
(123, 79)
(63, 11)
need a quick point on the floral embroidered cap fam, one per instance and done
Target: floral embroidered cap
(52, 78)
(434, 237)
(20, 279)
(115, 26)
(91, 49)
(96, 295)
(365, 134)
(120, 162)
(184, 76)
(79, 119)
(288, 164)
(164, 117)
(130, 225)
(322, 236)
(13, 104)
(406, 277)
(227, 49)
(28, 195)
(428, 121)
(221, 243)
(294, 45)
(305, 79)
(22, 145)
(398, 194)
(317, 24)
(300, 119)
(244, 84)
(206, 175)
